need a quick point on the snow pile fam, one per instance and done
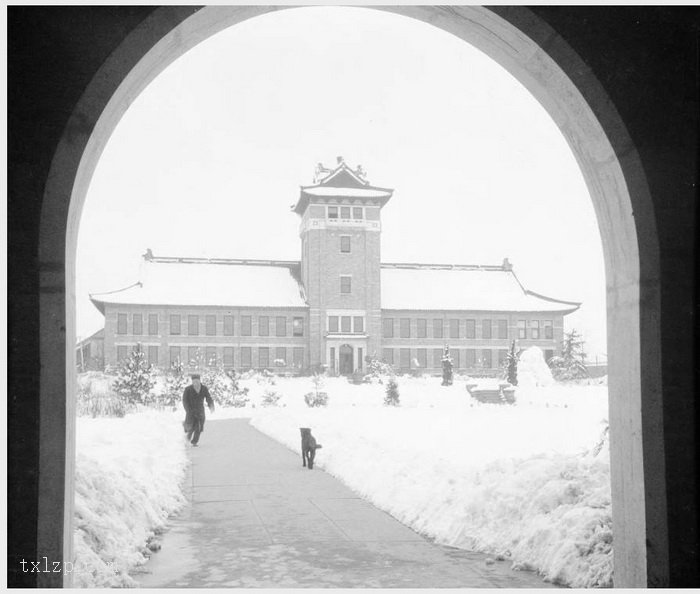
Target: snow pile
(127, 481)
(522, 482)
(533, 370)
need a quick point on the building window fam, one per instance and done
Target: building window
(281, 356)
(535, 329)
(137, 323)
(422, 356)
(470, 358)
(405, 327)
(193, 325)
(153, 324)
(345, 244)
(522, 329)
(332, 212)
(192, 355)
(357, 213)
(263, 357)
(246, 325)
(486, 329)
(437, 358)
(345, 324)
(502, 328)
(228, 325)
(210, 354)
(548, 354)
(121, 323)
(281, 326)
(210, 325)
(332, 359)
(454, 328)
(263, 326)
(388, 355)
(405, 358)
(548, 330)
(422, 327)
(456, 363)
(344, 212)
(121, 353)
(174, 355)
(175, 324)
(298, 355)
(486, 359)
(437, 329)
(388, 328)
(298, 327)
(502, 354)
(345, 285)
(153, 355)
(333, 324)
(246, 357)
(228, 356)
(358, 324)
(471, 328)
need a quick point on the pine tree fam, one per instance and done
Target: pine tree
(134, 381)
(512, 366)
(572, 362)
(391, 397)
(175, 383)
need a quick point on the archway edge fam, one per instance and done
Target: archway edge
(544, 63)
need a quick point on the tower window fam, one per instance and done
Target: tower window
(332, 212)
(345, 324)
(357, 213)
(345, 285)
(298, 327)
(345, 244)
(344, 212)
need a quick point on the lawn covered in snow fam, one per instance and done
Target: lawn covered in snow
(523, 482)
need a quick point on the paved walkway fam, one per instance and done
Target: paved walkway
(257, 519)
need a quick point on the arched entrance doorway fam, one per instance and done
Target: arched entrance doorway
(632, 277)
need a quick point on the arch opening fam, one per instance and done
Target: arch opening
(616, 184)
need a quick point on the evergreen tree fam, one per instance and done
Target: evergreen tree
(512, 366)
(572, 362)
(134, 381)
(391, 397)
(175, 383)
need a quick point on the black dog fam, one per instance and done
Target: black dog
(308, 447)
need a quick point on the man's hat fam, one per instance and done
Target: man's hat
(195, 376)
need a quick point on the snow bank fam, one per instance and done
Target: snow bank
(520, 482)
(127, 481)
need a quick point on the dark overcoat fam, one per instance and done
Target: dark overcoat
(193, 402)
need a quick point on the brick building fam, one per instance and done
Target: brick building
(335, 306)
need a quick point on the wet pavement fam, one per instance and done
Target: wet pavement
(256, 518)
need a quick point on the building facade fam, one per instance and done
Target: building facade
(335, 308)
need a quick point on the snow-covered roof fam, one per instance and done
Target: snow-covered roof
(470, 288)
(235, 283)
(351, 192)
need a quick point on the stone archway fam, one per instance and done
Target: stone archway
(531, 51)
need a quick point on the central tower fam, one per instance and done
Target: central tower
(340, 265)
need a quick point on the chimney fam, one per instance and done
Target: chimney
(507, 265)
(340, 160)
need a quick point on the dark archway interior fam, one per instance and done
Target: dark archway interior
(646, 60)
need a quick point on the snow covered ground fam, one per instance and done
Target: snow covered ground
(524, 482)
(127, 481)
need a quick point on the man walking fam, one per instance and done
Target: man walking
(193, 401)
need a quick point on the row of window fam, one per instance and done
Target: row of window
(210, 325)
(346, 324)
(345, 212)
(210, 356)
(461, 358)
(489, 328)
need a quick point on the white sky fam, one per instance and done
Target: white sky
(209, 158)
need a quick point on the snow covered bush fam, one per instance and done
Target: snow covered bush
(391, 396)
(270, 398)
(318, 397)
(234, 396)
(378, 371)
(170, 395)
(134, 381)
(89, 404)
(533, 371)
(511, 366)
